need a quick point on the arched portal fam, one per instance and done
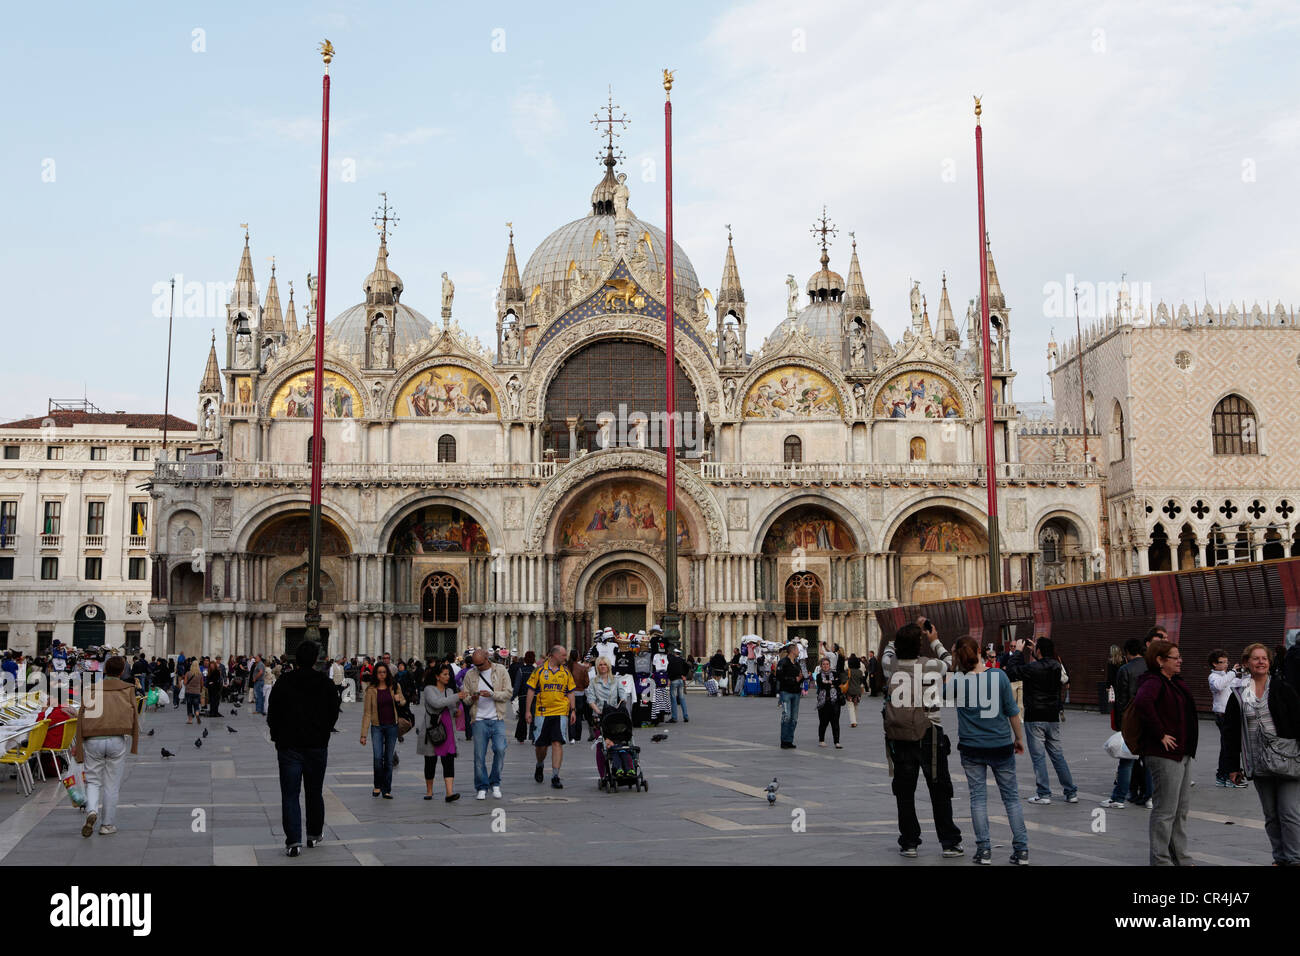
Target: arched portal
(88, 626)
(623, 601)
(938, 552)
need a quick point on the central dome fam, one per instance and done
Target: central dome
(348, 328)
(582, 241)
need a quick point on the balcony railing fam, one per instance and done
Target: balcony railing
(238, 409)
(137, 542)
(8, 542)
(908, 471)
(337, 473)
(51, 542)
(1005, 411)
(93, 542)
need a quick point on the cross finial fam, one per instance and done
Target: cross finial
(382, 218)
(609, 122)
(825, 228)
(272, 258)
(728, 233)
(244, 226)
(511, 227)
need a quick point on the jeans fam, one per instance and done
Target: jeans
(1004, 775)
(193, 704)
(302, 768)
(1045, 741)
(259, 697)
(1123, 780)
(1172, 796)
(1280, 799)
(789, 716)
(485, 732)
(928, 756)
(676, 693)
(105, 760)
(383, 744)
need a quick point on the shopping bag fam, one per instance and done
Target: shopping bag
(151, 698)
(72, 783)
(163, 698)
(1117, 748)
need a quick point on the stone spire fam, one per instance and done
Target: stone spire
(947, 324)
(856, 298)
(730, 289)
(272, 318)
(211, 383)
(511, 288)
(244, 295)
(997, 300)
(382, 286)
(290, 316)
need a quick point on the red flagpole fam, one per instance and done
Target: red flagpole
(312, 617)
(671, 634)
(990, 453)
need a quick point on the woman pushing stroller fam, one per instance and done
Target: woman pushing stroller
(607, 693)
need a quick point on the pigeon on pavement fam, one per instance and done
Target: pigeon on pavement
(205, 733)
(167, 753)
(197, 742)
(771, 790)
(232, 730)
(150, 734)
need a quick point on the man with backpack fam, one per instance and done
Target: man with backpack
(914, 739)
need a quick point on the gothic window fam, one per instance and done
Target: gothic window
(793, 450)
(446, 449)
(1234, 427)
(324, 450)
(803, 597)
(1117, 433)
(1049, 543)
(440, 599)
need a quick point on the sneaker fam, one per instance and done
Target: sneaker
(839, 746)
(481, 795)
(294, 850)
(909, 852)
(1241, 784)
(686, 720)
(555, 782)
(1074, 798)
(107, 830)
(983, 857)
(313, 842)
(1041, 801)
(821, 743)
(1150, 804)
(1019, 857)
(1113, 804)
(1223, 782)
(88, 827)
(539, 774)
(496, 793)
(786, 746)
(953, 851)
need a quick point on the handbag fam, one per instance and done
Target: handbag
(435, 734)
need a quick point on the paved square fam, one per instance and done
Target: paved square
(705, 803)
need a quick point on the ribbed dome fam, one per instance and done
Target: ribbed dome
(822, 320)
(576, 242)
(349, 328)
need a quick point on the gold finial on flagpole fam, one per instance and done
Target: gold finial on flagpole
(327, 53)
(668, 83)
(978, 109)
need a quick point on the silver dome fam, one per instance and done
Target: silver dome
(349, 328)
(822, 319)
(576, 242)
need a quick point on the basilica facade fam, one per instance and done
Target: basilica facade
(514, 494)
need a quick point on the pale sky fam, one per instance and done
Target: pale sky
(1153, 140)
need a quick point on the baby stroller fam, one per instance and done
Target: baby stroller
(617, 764)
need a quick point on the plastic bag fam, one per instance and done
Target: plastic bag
(163, 698)
(1115, 747)
(151, 698)
(74, 784)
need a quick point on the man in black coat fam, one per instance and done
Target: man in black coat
(300, 715)
(1043, 678)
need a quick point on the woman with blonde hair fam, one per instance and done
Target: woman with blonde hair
(192, 684)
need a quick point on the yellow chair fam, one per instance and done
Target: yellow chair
(20, 758)
(64, 749)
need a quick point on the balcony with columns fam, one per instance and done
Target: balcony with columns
(349, 473)
(908, 472)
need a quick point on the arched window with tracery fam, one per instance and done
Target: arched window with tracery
(793, 449)
(446, 449)
(1234, 427)
(440, 599)
(803, 597)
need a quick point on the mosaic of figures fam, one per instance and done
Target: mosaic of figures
(446, 391)
(809, 528)
(792, 392)
(918, 395)
(618, 511)
(295, 398)
(291, 534)
(243, 389)
(937, 531)
(437, 529)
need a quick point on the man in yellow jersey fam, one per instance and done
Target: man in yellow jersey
(552, 687)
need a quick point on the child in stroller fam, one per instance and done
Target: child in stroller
(616, 756)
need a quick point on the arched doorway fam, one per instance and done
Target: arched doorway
(803, 608)
(88, 627)
(623, 601)
(1060, 558)
(281, 543)
(940, 550)
(440, 614)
